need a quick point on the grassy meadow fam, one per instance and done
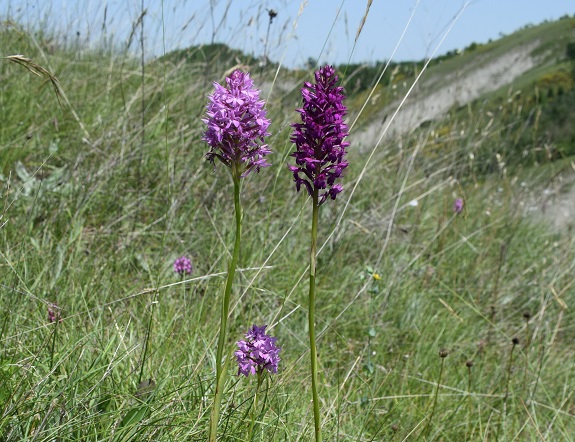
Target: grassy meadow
(431, 325)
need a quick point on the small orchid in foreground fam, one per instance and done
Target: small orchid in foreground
(257, 353)
(182, 266)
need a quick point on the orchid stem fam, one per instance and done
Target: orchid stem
(312, 345)
(236, 175)
(255, 405)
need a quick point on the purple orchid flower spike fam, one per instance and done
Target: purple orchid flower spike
(183, 266)
(258, 352)
(237, 124)
(319, 138)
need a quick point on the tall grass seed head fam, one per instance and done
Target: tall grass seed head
(319, 138)
(237, 124)
(258, 352)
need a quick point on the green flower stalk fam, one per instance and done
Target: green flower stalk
(319, 158)
(237, 127)
(54, 317)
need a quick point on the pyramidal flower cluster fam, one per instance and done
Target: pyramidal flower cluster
(319, 138)
(183, 266)
(257, 353)
(237, 124)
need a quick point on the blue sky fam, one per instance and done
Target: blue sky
(323, 29)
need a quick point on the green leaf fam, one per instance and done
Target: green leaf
(134, 416)
(102, 403)
(369, 367)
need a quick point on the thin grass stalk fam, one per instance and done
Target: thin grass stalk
(503, 424)
(469, 365)
(527, 317)
(236, 175)
(495, 294)
(272, 14)
(55, 332)
(147, 342)
(311, 316)
(442, 354)
(143, 101)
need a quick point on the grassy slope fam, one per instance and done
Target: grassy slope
(109, 208)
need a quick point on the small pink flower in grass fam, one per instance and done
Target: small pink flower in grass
(237, 124)
(54, 313)
(183, 266)
(257, 353)
(458, 205)
(319, 138)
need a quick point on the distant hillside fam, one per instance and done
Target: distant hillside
(213, 54)
(214, 58)
(533, 60)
